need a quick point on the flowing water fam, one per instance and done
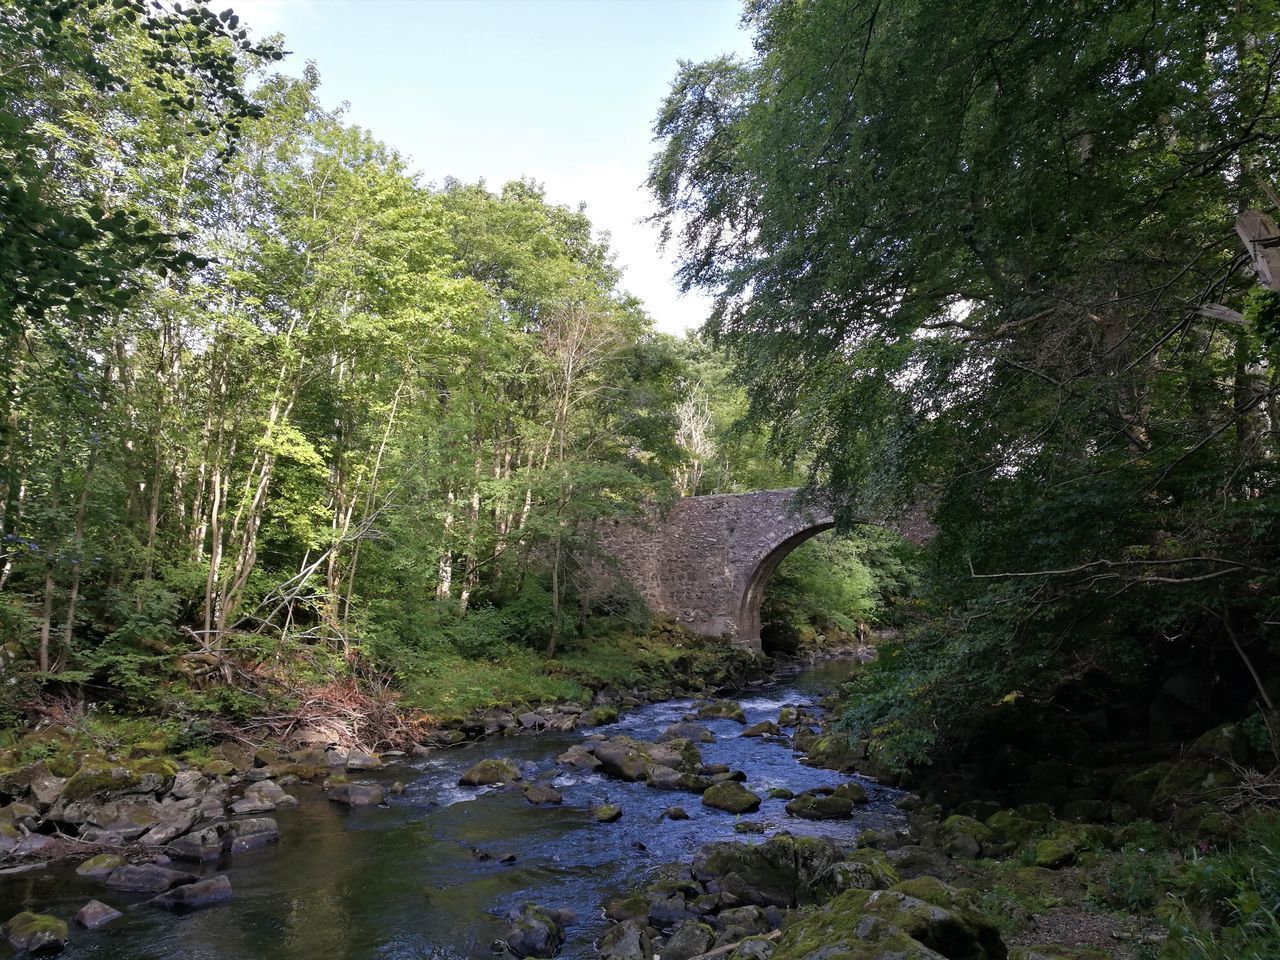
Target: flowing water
(411, 880)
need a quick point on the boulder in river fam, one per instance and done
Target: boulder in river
(534, 932)
(686, 730)
(36, 933)
(241, 836)
(147, 878)
(606, 813)
(490, 771)
(732, 797)
(357, 794)
(722, 710)
(202, 893)
(199, 845)
(540, 793)
(675, 813)
(620, 759)
(814, 806)
(95, 913)
(99, 867)
(765, 728)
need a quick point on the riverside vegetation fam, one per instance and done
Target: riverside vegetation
(301, 461)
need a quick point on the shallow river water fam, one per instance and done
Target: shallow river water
(409, 880)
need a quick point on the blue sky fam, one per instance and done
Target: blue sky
(563, 91)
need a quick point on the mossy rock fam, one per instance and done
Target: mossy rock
(598, 716)
(36, 933)
(147, 748)
(722, 710)
(834, 752)
(102, 780)
(963, 837)
(99, 867)
(920, 919)
(218, 768)
(1035, 812)
(1010, 827)
(780, 793)
(732, 797)
(1068, 842)
(784, 871)
(1139, 789)
(1191, 781)
(1225, 742)
(606, 813)
(865, 870)
(490, 771)
(810, 806)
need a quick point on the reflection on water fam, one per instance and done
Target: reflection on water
(410, 880)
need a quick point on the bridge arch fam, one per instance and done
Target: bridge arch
(749, 624)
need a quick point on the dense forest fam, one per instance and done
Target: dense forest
(291, 436)
(272, 405)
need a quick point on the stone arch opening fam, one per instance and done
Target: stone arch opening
(749, 614)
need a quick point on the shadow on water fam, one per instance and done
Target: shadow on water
(423, 877)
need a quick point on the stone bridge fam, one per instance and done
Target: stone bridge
(705, 562)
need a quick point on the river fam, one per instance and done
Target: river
(411, 879)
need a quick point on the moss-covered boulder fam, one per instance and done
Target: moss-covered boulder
(102, 779)
(1061, 847)
(784, 871)
(36, 933)
(1191, 781)
(765, 728)
(732, 797)
(865, 870)
(832, 751)
(1223, 743)
(964, 838)
(534, 932)
(490, 771)
(606, 813)
(1011, 828)
(920, 919)
(628, 940)
(722, 710)
(1139, 789)
(99, 867)
(689, 939)
(816, 806)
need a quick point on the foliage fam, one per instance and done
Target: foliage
(1232, 904)
(984, 268)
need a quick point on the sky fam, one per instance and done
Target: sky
(561, 91)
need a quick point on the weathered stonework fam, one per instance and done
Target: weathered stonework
(705, 562)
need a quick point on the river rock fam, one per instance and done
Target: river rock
(100, 867)
(628, 940)
(490, 771)
(918, 918)
(689, 939)
(199, 845)
(675, 813)
(765, 728)
(579, 756)
(534, 932)
(606, 813)
(263, 797)
(685, 730)
(174, 823)
(540, 793)
(732, 797)
(241, 836)
(722, 710)
(202, 893)
(813, 806)
(621, 760)
(36, 933)
(33, 845)
(358, 759)
(147, 878)
(357, 794)
(95, 913)
(784, 871)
